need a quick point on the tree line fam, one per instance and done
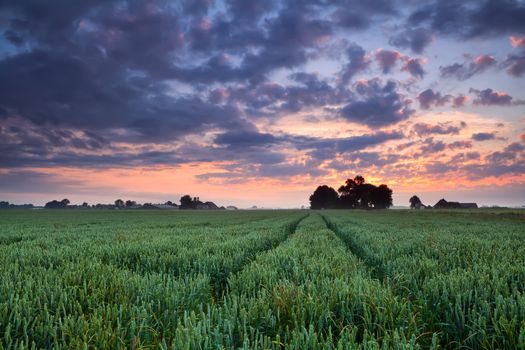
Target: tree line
(355, 193)
(186, 202)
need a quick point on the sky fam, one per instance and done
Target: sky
(259, 102)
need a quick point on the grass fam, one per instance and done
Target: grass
(262, 279)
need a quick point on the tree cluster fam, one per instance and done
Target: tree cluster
(415, 202)
(7, 205)
(354, 194)
(187, 202)
(54, 204)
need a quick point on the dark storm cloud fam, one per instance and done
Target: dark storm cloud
(377, 104)
(463, 71)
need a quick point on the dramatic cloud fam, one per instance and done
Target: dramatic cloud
(422, 129)
(357, 62)
(287, 92)
(484, 136)
(471, 18)
(517, 42)
(377, 104)
(459, 101)
(416, 39)
(414, 66)
(515, 63)
(489, 97)
(387, 59)
(429, 98)
(463, 71)
(244, 139)
(461, 145)
(515, 147)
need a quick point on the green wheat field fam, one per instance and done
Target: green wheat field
(334, 279)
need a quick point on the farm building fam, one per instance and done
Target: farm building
(443, 204)
(207, 206)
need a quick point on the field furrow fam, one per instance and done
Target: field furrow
(376, 267)
(333, 279)
(466, 281)
(73, 288)
(306, 293)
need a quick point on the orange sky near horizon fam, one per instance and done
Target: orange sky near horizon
(161, 183)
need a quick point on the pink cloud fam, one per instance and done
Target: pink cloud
(484, 60)
(460, 101)
(516, 42)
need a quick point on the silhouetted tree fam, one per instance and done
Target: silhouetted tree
(352, 193)
(356, 193)
(130, 203)
(348, 201)
(54, 204)
(381, 197)
(186, 202)
(85, 205)
(359, 180)
(119, 203)
(324, 197)
(414, 200)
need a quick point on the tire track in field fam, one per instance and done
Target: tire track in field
(220, 285)
(376, 267)
(379, 271)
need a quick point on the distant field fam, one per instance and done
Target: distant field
(330, 279)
